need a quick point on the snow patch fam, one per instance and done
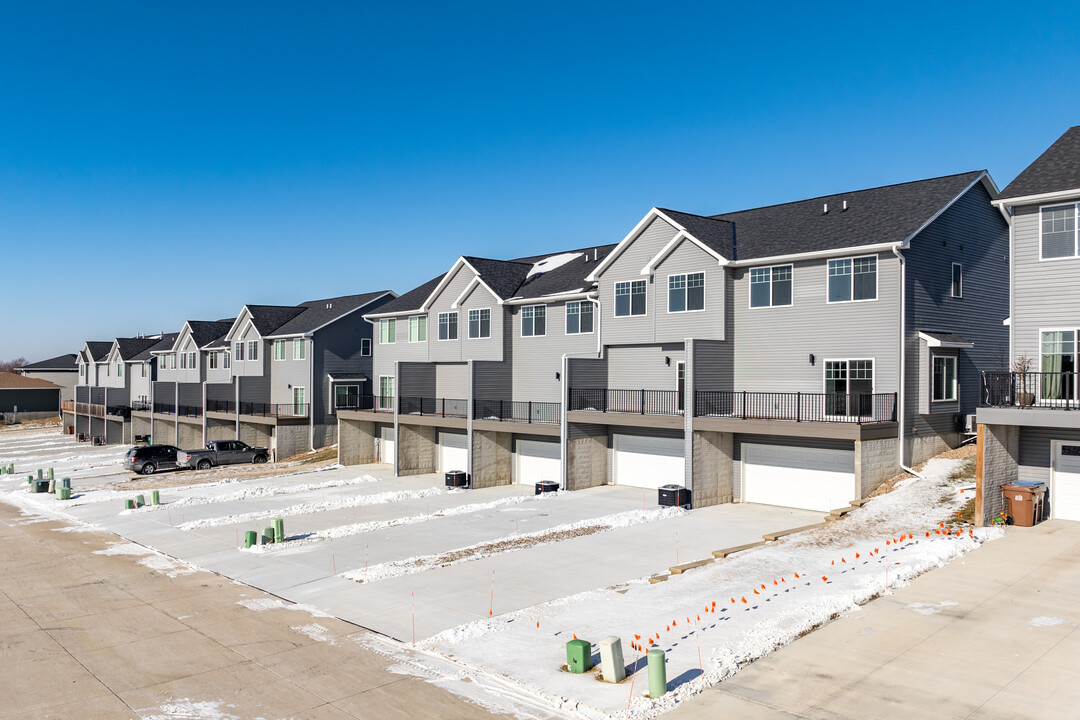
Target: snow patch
(1043, 621)
(552, 262)
(169, 566)
(316, 632)
(262, 604)
(929, 608)
(125, 549)
(185, 709)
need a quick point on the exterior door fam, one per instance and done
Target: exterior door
(1065, 489)
(386, 444)
(299, 402)
(386, 392)
(680, 382)
(849, 387)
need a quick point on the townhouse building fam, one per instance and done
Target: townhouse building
(1026, 430)
(111, 375)
(797, 354)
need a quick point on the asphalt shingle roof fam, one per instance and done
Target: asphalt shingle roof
(718, 235)
(1056, 169)
(60, 362)
(316, 313)
(566, 278)
(268, 318)
(130, 347)
(411, 300)
(204, 332)
(887, 214)
(99, 350)
(162, 344)
(15, 381)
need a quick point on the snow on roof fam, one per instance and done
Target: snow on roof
(551, 262)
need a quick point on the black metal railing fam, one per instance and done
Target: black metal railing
(385, 403)
(439, 407)
(221, 406)
(123, 411)
(517, 411)
(355, 402)
(141, 406)
(797, 406)
(642, 402)
(278, 410)
(164, 408)
(191, 411)
(1030, 389)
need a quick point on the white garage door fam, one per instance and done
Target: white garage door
(386, 444)
(808, 478)
(536, 460)
(1065, 494)
(453, 452)
(648, 462)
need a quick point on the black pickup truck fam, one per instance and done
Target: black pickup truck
(221, 452)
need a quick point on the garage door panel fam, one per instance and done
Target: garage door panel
(808, 478)
(536, 460)
(648, 461)
(386, 444)
(1065, 494)
(453, 451)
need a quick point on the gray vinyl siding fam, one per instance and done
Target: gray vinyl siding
(403, 351)
(493, 380)
(643, 367)
(247, 366)
(220, 374)
(415, 379)
(1046, 293)
(714, 365)
(220, 391)
(117, 396)
(1035, 447)
(335, 349)
(537, 359)
(774, 344)
(447, 350)
(452, 381)
(82, 393)
(676, 326)
(973, 233)
(164, 392)
(588, 373)
(188, 375)
(627, 267)
(296, 373)
(109, 377)
(97, 395)
(190, 394)
(140, 386)
(254, 388)
(490, 348)
(780, 440)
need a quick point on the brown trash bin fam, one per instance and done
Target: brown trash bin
(1024, 503)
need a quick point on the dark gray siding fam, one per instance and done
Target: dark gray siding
(1035, 447)
(220, 391)
(588, 373)
(255, 388)
(97, 395)
(973, 233)
(336, 350)
(713, 365)
(493, 380)
(416, 379)
(190, 394)
(82, 393)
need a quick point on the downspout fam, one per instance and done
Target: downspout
(903, 363)
(311, 384)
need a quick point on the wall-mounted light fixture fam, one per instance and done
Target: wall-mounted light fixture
(667, 361)
(557, 375)
(811, 358)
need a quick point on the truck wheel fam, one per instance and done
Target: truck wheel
(148, 469)
(259, 459)
(204, 465)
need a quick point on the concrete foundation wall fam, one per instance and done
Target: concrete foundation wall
(140, 426)
(163, 432)
(875, 462)
(325, 435)
(924, 447)
(189, 436)
(492, 458)
(356, 442)
(256, 434)
(416, 449)
(291, 440)
(713, 476)
(996, 463)
(586, 456)
(220, 430)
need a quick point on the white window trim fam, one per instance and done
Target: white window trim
(853, 258)
(667, 288)
(956, 379)
(388, 322)
(1076, 341)
(336, 407)
(379, 397)
(409, 323)
(849, 360)
(521, 326)
(566, 317)
(614, 302)
(749, 286)
(302, 344)
(1076, 231)
(362, 341)
(303, 395)
(277, 344)
(253, 345)
(457, 326)
(952, 271)
(469, 332)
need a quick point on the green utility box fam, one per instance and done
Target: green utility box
(578, 656)
(41, 486)
(63, 493)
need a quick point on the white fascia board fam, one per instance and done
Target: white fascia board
(400, 313)
(907, 241)
(934, 342)
(243, 315)
(446, 280)
(679, 237)
(472, 286)
(554, 297)
(838, 252)
(1038, 198)
(630, 236)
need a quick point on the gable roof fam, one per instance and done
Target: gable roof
(268, 318)
(205, 332)
(890, 214)
(14, 381)
(1056, 170)
(162, 344)
(99, 349)
(60, 362)
(314, 314)
(130, 347)
(717, 234)
(410, 301)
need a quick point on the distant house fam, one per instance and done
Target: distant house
(27, 398)
(62, 370)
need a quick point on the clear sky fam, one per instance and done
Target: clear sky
(165, 161)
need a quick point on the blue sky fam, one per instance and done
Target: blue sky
(169, 161)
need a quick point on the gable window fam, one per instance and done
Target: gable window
(629, 298)
(957, 280)
(686, 293)
(82, 370)
(299, 349)
(944, 378)
(365, 347)
(119, 369)
(253, 349)
(480, 323)
(1058, 226)
(579, 317)
(418, 328)
(387, 331)
(448, 326)
(534, 321)
(279, 350)
(770, 286)
(1057, 361)
(346, 396)
(852, 279)
(238, 351)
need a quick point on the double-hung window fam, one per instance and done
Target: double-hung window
(387, 331)
(852, 279)
(480, 323)
(579, 317)
(299, 349)
(418, 328)
(253, 349)
(448, 326)
(192, 362)
(770, 286)
(238, 351)
(686, 293)
(1058, 237)
(172, 361)
(279, 350)
(365, 347)
(944, 380)
(225, 359)
(534, 321)
(629, 298)
(213, 360)
(183, 361)
(957, 289)
(119, 370)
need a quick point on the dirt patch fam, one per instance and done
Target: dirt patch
(964, 452)
(319, 456)
(184, 478)
(31, 425)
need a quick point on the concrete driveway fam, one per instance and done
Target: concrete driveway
(992, 636)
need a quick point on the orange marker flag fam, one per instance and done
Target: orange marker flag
(756, 592)
(651, 641)
(775, 583)
(673, 623)
(876, 550)
(832, 562)
(688, 620)
(927, 533)
(857, 556)
(537, 624)
(796, 576)
(744, 600)
(941, 524)
(714, 603)
(636, 636)
(783, 580)
(887, 543)
(575, 636)
(668, 629)
(699, 618)
(732, 602)
(824, 579)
